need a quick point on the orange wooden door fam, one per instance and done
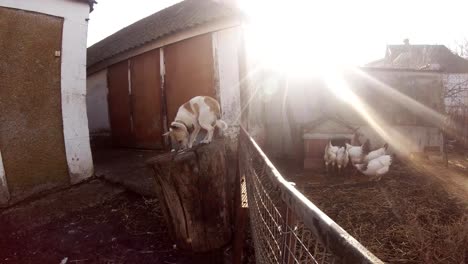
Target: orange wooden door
(189, 71)
(146, 100)
(119, 105)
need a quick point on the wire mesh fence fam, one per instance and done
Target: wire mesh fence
(286, 226)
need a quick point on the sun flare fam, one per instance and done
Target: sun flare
(289, 37)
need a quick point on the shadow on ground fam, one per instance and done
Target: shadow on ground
(126, 229)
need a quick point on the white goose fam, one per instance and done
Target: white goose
(342, 158)
(376, 167)
(376, 153)
(330, 154)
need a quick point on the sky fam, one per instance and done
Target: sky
(356, 31)
(109, 16)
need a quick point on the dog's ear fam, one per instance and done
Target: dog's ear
(177, 126)
(167, 134)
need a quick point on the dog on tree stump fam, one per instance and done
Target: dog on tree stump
(199, 112)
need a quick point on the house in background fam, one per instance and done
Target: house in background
(419, 57)
(44, 139)
(454, 70)
(139, 76)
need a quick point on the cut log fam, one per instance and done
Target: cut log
(191, 187)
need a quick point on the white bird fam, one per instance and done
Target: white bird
(376, 167)
(376, 153)
(330, 154)
(342, 158)
(357, 153)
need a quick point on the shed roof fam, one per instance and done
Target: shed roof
(184, 15)
(419, 56)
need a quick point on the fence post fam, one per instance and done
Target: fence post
(289, 241)
(241, 211)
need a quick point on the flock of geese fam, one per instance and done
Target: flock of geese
(371, 163)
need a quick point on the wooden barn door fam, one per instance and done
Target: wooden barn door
(119, 105)
(135, 106)
(31, 126)
(146, 100)
(189, 71)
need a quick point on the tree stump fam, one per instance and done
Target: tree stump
(192, 189)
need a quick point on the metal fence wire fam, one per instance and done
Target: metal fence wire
(286, 226)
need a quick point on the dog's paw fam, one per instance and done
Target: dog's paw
(172, 150)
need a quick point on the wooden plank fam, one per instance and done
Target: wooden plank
(120, 105)
(147, 100)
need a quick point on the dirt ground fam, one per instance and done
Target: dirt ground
(415, 214)
(126, 229)
(112, 219)
(126, 167)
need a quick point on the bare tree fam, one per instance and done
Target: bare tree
(461, 48)
(456, 112)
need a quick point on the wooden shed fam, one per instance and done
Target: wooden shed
(318, 133)
(44, 140)
(139, 76)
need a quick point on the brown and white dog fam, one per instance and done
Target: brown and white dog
(199, 112)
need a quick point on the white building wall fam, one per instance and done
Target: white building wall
(226, 47)
(73, 83)
(96, 101)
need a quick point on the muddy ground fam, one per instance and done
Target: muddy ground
(410, 216)
(126, 229)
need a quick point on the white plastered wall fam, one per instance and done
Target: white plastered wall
(97, 106)
(226, 45)
(73, 83)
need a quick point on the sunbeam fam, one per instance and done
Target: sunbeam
(422, 111)
(340, 88)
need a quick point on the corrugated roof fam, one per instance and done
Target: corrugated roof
(183, 15)
(419, 56)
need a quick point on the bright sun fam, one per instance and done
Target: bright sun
(290, 36)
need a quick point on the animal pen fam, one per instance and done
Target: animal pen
(286, 226)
